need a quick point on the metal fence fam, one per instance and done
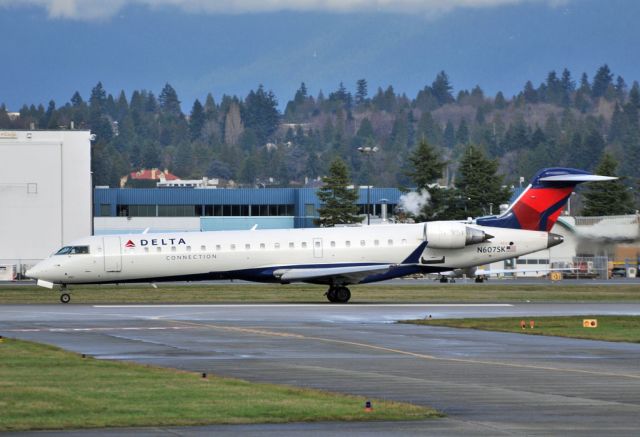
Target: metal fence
(14, 269)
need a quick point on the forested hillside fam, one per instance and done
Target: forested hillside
(563, 120)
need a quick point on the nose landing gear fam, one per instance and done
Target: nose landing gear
(338, 294)
(64, 297)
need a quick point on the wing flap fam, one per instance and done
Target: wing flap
(348, 274)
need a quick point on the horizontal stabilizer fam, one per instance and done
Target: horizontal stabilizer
(576, 178)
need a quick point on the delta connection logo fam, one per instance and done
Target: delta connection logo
(157, 242)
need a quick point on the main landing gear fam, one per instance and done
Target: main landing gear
(65, 297)
(338, 294)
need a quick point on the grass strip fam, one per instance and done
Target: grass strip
(300, 293)
(610, 328)
(44, 387)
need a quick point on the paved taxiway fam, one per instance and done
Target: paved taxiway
(488, 383)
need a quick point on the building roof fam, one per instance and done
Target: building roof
(153, 174)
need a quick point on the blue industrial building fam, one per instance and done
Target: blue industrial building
(230, 208)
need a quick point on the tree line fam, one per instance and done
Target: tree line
(559, 122)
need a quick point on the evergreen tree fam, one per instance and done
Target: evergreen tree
(210, 108)
(98, 98)
(361, 92)
(478, 185)
(601, 81)
(621, 88)
(634, 95)
(196, 120)
(427, 128)
(567, 86)
(582, 97)
(449, 135)
(530, 94)
(462, 134)
(426, 167)
(76, 100)
(500, 102)
(260, 114)
(441, 89)
(619, 124)
(610, 197)
(338, 201)
(169, 103)
(553, 91)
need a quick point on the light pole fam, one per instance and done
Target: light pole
(368, 151)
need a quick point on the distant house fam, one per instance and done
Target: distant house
(147, 178)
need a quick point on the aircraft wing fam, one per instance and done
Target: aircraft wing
(349, 274)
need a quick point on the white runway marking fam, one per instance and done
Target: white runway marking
(125, 328)
(314, 305)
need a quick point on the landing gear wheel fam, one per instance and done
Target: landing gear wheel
(342, 295)
(479, 280)
(331, 294)
(444, 280)
(65, 298)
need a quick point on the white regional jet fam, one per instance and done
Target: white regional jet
(336, 257)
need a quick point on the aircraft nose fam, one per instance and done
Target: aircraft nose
(34, 272)
(31, 273)
(554, 239)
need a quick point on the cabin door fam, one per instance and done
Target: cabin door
(112, 254)
(317, 247)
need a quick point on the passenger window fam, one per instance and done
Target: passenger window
(203, 248)
(362, 243)
(188, 248)
(276, 245)
(159, 249)
(404, 241)
(173, 248)
(376, 242)
(146, 249)
(262, 246)
(247, 246)
(304, 245)
(389, 242)
(347, 243)
(291, 245)
(233, 247)
(218, 247)
(333, 244)
(317, 244)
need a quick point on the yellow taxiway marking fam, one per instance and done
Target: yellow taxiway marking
(418, 355)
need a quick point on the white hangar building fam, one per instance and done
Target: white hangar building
(45, 194)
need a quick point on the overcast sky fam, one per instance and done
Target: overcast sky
(55, 47)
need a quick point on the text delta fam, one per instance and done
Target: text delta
(162, 242)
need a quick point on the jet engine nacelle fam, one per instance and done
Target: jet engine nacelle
(452, 235)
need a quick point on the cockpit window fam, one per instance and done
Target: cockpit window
(73, 250)
(80, 250)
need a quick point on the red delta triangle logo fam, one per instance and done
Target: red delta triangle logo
(130, 244)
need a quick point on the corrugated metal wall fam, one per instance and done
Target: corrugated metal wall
(299, 197)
